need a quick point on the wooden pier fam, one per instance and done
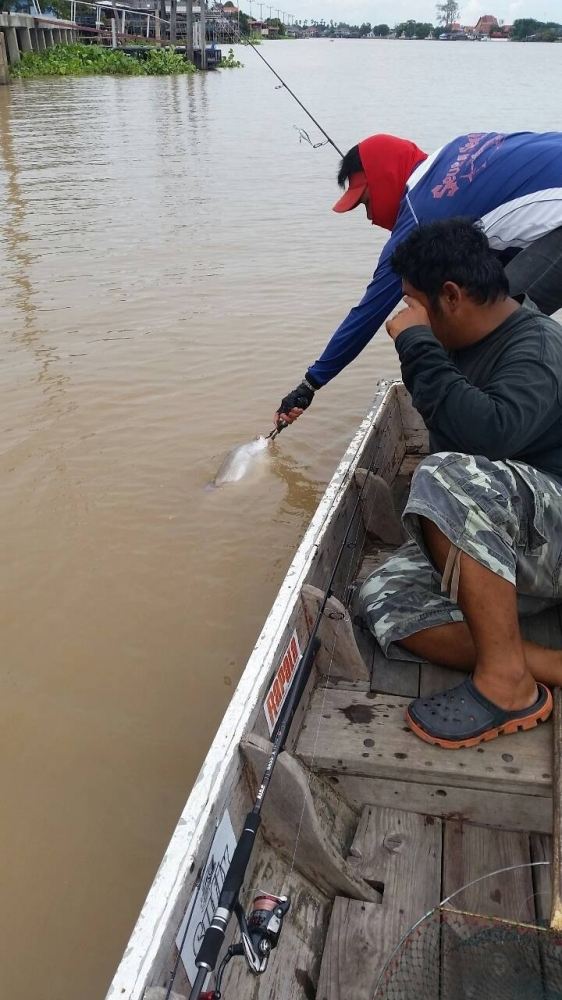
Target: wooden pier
(30, 33)
(21, 33)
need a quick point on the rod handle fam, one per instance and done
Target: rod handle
(208, 954)
(237, 870)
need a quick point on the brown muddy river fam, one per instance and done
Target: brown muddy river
(169, 266)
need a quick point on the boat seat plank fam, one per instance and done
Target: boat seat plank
(365, 734)
(390, 676)
(508, 810)
(472, 851)
(434, 678)
(402, 851)
(467, 954)
(544, 628)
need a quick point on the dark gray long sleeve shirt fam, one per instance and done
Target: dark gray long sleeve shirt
(501, 397)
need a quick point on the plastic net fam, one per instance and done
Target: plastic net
(462, 956)
(454, 954)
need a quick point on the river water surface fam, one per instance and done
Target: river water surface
(169, 266)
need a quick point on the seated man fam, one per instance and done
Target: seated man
(485, 508)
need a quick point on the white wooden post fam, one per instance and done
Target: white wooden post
(25, 40)
(189, 30)
(157, 23)
(203, 23)
(13, 46)
(4, 69)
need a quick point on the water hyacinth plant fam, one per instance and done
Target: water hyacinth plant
(96, 60)
(229, 61)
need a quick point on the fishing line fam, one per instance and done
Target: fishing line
(352, 547)
(304, 136)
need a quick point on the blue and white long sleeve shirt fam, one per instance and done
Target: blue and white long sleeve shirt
(511, 183)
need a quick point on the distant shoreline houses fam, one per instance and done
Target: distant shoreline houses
(230, 17)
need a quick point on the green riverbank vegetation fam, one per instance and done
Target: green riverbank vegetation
(97, 60)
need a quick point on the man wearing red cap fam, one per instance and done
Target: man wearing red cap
(511, 183)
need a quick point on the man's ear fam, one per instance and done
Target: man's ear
(451, 296)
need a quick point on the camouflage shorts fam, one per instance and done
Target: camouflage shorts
(506, 515)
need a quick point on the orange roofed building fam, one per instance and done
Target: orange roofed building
(486, 25)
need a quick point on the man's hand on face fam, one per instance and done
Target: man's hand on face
(413, 315)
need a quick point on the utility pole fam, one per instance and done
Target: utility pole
(113, 26)
(203, 25)
(4, 68)
(189, 30)
(157, 22)
(173, 21)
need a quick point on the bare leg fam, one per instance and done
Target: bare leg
(452, 646)
(489, 604)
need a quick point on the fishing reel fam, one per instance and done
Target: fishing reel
(260, 932)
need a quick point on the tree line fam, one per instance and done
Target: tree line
(447, 14)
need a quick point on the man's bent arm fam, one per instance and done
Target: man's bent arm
(500, 422)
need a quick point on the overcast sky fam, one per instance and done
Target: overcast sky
(392, 11)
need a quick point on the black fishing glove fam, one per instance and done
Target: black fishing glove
(300, 397)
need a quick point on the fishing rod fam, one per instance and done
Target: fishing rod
(243, 40)
(293, 95)
(260, 932)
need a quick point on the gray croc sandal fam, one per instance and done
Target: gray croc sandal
(463, 717)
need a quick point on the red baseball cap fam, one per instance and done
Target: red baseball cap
(355, 191)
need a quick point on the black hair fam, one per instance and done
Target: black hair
(350, 164)
(454, 250)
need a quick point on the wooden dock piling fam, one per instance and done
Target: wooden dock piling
(4, 69)
(203, 25)
(23, 33)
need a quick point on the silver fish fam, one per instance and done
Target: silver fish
(238, 461)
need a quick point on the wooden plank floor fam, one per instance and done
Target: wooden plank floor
(420, 861)
(365, 734)
(402, 852)
(360, 741)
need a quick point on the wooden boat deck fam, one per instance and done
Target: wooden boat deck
(364, 826)
(358, 738)
(442, 818)
(419, 860)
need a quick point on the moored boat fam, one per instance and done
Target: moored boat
(364, 828)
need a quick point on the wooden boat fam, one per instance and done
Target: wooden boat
(364, 826)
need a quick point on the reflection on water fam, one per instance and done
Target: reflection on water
(169, 267)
